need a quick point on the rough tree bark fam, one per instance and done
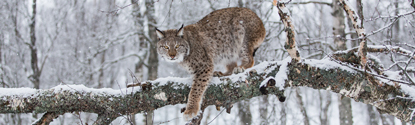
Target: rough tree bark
(310, 73)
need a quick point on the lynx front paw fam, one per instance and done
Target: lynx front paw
(237, 70)
(189, 114)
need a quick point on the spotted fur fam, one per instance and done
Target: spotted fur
(224, 39)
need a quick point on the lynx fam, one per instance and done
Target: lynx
(224, 39)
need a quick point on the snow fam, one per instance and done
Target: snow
(22, 92)
(285, 10)
(281, 75)
(326, 63)
(84, 89)
(26, 92)
(264, 83)
(164, 81)
(409, 90)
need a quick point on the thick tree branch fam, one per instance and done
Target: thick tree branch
(388, 97)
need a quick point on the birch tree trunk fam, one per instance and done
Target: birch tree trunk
(324, 108)
(263, 109)
(373, 118)
(35, 77)
(387, 119)
(345, 107)
(244, 112)
(152, 60)
(302, 107)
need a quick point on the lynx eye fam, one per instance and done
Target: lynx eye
(166, 47)
(177, 46)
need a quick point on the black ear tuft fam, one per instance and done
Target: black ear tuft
(180, 31)
(160, 34)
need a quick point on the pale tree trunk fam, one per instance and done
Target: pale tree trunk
(101, 72)
(263, 109)
(345, 108)
(244, 112)
(324, 108)
(152, 60)
(352, 34)
(138, 70)
(302, 107)
(3, 84)
(18, 38)
(396, 25)
(387, 119)
(283, 115)
(338, 26)
(152, 68)
(35, 77)
(345, 111)
(373, 118)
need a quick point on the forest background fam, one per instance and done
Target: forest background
(99, 44)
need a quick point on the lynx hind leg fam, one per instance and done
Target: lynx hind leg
(200, 83)
(252, 46)
(229, 70)
(247, 58)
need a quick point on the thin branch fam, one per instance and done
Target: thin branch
(314, 2)
(384, 48)
(109, 63)
(290, 43)
(389, 17)
(358, 26)
(114, 12)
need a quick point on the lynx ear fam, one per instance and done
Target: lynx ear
(180, 31)
(160, 34)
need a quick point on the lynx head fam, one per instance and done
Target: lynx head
(171, 45)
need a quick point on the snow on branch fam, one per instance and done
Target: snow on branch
(265, 78)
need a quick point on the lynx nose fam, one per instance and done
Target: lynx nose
(172, 56)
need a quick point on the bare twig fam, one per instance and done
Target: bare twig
(314, 2)
(385, 48)
(114, 12)
(376, 75)
(216, 116)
